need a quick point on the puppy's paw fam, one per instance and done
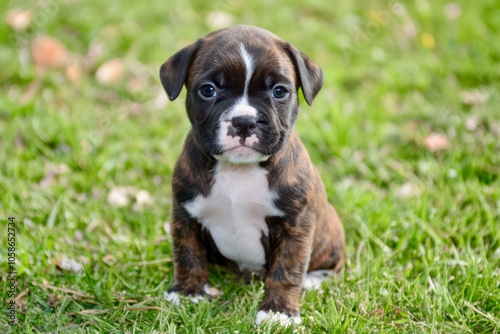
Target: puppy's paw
(174, 297)
(282, 318)
(314, 279)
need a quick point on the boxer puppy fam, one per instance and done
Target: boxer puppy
(245, 193)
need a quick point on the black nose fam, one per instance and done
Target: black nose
(244, 125)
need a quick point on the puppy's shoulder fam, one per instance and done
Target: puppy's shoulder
(193, 171)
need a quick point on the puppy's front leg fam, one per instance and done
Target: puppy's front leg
(190, 257)
(291, 246)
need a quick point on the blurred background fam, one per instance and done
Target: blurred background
(405, 132)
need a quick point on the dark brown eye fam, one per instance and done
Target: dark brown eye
(208, 91)
(279, 92)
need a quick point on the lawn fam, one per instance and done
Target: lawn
(405, 132)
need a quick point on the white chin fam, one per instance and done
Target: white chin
(242, 155)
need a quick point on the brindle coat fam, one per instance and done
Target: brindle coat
(309, 235)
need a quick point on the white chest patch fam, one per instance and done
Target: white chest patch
(234, 213)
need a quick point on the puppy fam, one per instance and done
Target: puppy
(245, 193)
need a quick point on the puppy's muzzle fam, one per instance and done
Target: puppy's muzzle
(244, 126)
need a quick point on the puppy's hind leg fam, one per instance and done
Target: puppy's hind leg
(314, 279)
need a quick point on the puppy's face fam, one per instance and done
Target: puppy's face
(242, 91)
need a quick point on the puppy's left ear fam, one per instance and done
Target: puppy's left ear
(173, 71)
(310, 74)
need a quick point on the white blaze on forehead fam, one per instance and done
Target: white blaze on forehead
(249, 66)
(242, 108)
(226, 135)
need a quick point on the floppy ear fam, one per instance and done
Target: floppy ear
(310, 74)
(173, 71)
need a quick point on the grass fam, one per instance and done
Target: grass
(422, 223)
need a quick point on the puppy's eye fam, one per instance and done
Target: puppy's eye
(208, 91)
(279, 92)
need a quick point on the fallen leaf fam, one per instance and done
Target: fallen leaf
(78, 235)
(48, 53)
(75, 71)
(471, 123)
(214, 293)
(473, 97)
(21, 302)
(142, 79)
(111, 72)
(219, 19)
(18, 19)
(436, 142)
(452, 11)
(159, 101)
(377, 312)
(495, 129)
(142, 199)
(68, 264)
(134, 108)
(109, 259)
(52, 172)
(52, 301)
(408, 189)
(95, 51)
(120, 196)
(409, 29)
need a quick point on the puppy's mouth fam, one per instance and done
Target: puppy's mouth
(237, 147)
(241, 154)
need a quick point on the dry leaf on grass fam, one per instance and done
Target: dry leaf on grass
(109, 259)
(408, 189)
(19, 19)
(219, 19)
(52, 172)
(75, 69)
(120, 196)
(436, 142)
(452, 11)
(214, 293)
(69, 264)
(111, 72)
(378, 312)
(474, 97)
(48, 53)
(471, 123)
(142, 199)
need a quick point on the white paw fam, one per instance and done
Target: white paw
(175, 298)
(313, 279)
(172, 297)
(270, 316)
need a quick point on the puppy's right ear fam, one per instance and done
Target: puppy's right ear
(173, 71)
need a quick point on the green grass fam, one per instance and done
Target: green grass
(423, 228)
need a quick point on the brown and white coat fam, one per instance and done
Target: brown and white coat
(245, 193)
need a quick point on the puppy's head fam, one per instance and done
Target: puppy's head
(242, 85)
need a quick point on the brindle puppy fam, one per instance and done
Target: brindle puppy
(245, 193)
